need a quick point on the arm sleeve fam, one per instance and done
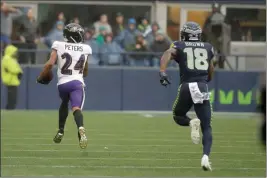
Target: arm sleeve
(88, 50)
(55, 45)
(173, 45)
(175, 51)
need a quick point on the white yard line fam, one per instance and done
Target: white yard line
(128, 159)
(115, 145)
(128, 167)
(129, 139)
(109, 131)
(3, 111)
(249, 136)
(131, 151)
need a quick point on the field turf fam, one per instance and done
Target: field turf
(126, 145)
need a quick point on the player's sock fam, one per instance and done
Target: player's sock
(206, 140)
(182, 120)
(63, 114)
(78, 117)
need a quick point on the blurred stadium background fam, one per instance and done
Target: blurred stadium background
(127, 38)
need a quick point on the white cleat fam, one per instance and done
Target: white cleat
(82, 138)
(195, 127)
(205, 163)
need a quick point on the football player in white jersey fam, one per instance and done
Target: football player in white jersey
(72, 62)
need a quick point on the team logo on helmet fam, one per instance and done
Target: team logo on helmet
(191, 31)
(73, 33)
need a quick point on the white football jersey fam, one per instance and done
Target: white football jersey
(71, 60)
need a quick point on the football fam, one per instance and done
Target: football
(48, 76)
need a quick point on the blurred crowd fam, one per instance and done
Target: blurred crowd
(114, 41)
(128, 42)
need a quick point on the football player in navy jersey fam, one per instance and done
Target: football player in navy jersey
(196, 68)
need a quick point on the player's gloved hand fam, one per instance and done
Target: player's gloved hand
(164, 79)
(42, 81)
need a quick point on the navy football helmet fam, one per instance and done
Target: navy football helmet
(73, 33)
(191, 31)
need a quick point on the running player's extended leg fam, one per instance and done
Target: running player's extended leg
(204, 113)
(62, 114)
(78, 117)
(182, 105)
(77, 97)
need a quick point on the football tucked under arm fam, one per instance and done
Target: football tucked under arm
(46, 75)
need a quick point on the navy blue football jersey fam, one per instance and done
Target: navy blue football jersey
(194, 59)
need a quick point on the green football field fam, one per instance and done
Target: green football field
(126, 145)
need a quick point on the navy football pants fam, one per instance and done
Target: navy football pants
(183, 104)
